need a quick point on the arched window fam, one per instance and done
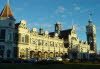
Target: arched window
(19, 37)
(26, 38)
(40, 42)
(10, 36)
(22, 53)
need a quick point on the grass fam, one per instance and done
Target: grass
(50, 66)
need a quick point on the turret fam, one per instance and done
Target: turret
(91, 34)
(58, 28)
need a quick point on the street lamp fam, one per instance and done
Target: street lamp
(81, 53)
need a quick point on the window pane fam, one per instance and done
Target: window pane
(2, 35)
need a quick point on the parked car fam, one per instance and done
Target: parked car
(50, 59)
(57, 59)
(67, 59)
(33, 60)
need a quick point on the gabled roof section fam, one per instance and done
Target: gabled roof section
(65, 33)
(6, 12)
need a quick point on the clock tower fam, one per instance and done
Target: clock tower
(91, 34)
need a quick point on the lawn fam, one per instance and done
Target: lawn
(49, 66)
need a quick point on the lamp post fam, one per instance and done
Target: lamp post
(81, 53)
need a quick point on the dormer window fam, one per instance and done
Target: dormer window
(10, 24)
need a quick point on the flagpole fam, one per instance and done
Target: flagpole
(7, 8)
(90, 16)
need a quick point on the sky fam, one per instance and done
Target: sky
(45, 13)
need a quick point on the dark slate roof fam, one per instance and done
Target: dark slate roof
(63, 34)
(52, 34)
(16, 25)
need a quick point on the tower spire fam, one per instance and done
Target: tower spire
(72, 22)
(6, 12)
(8, 2)
(90, 18)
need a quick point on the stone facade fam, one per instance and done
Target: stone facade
(31, 44)
(18, 41)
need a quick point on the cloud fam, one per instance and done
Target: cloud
(84, 10)
(98, 28)
(63, 16)
(60, 9)
(77, 8)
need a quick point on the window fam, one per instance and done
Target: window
(26, 38)
(10, 24)
(34, 42)
(19, 37)
(23, 39)
(46, 43)
(40, 42)
(56, 45)
(60, 44)
(51, 43)
(8, 53)
(10, 36)
(2, 35)
(1, 47)
(23, 53)
(15, 37)
(1, 51)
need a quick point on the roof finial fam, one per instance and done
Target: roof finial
(72, 22)
(8, 2)
(90, 17)
(7, 9)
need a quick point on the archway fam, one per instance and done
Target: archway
(2, 51)
(39, 54)
(74, 55)
(51, 55)
(8, 53)
(32, 54)
(61, 54)
(22, 53)
(45, 55)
